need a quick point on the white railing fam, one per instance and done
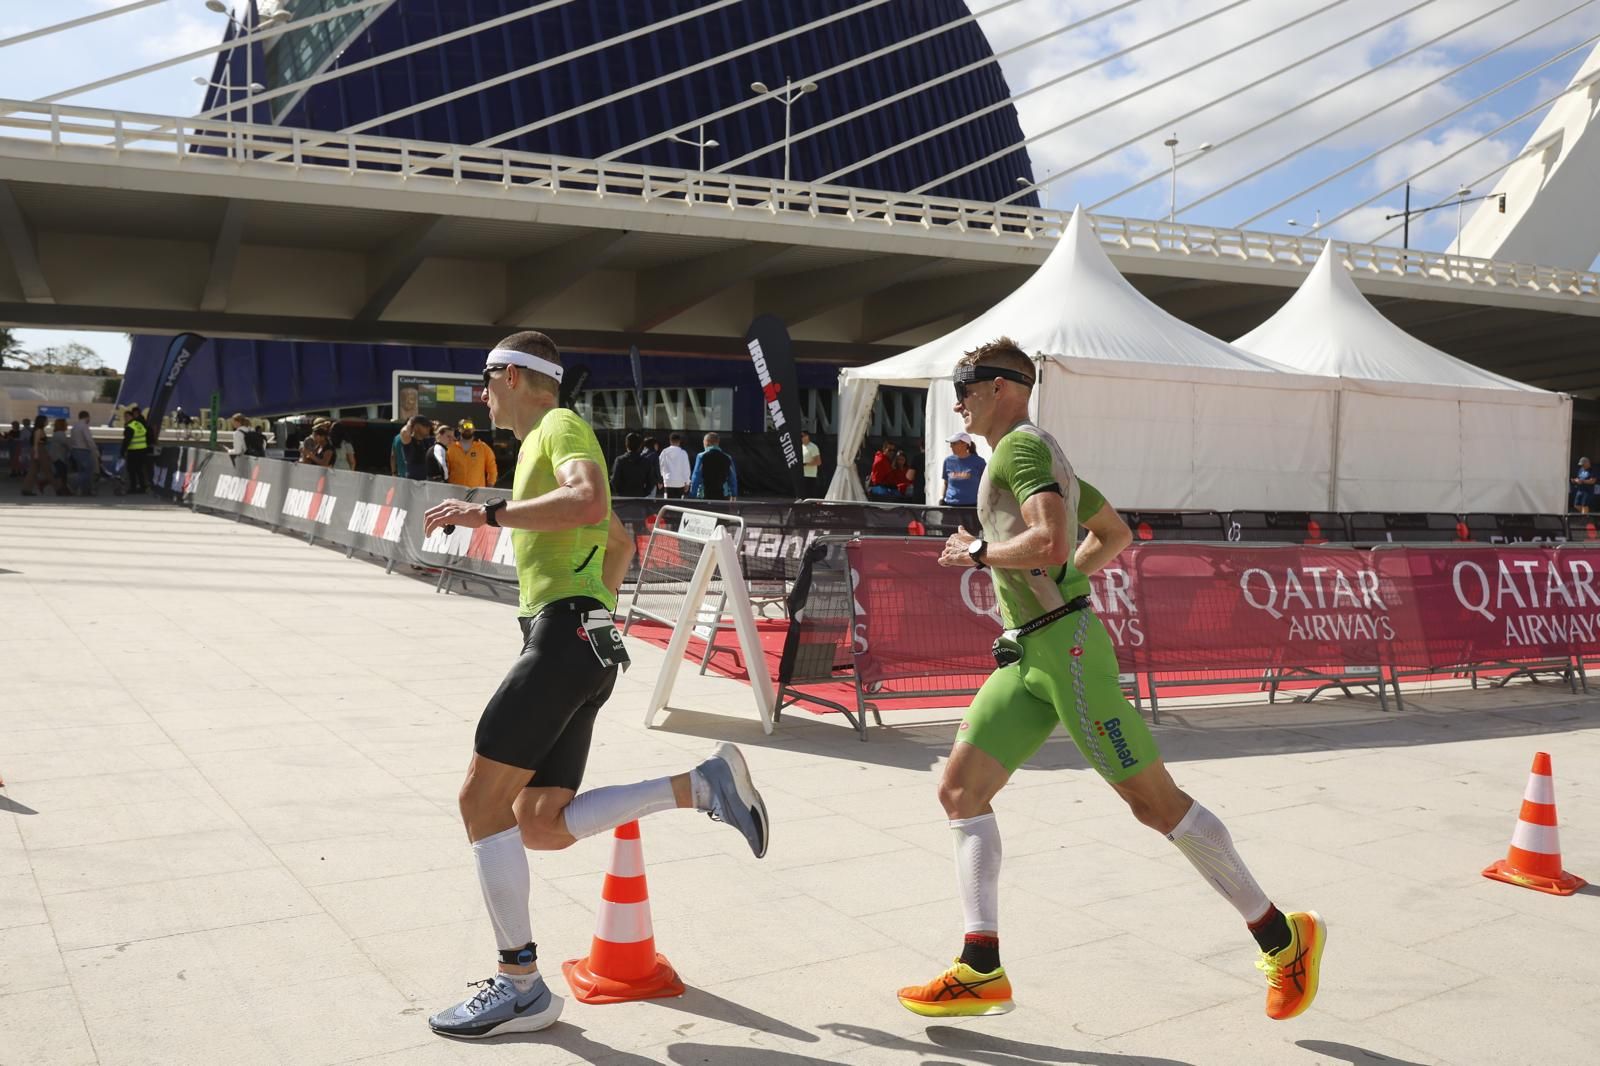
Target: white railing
(536, 176)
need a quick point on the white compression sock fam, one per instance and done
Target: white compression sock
(1205, 842)
(978, 871)
(600, 809)
(503, 873)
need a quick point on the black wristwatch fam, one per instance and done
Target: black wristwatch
(490, 509)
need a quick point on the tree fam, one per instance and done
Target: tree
(11, 349)
(69, 358)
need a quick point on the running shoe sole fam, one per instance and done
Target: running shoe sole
(957, 1008)
(746, 789)
(522, 1023)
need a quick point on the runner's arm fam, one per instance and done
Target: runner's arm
(579, 499)
(619, 552)
(1106, 536)
(1045, 543)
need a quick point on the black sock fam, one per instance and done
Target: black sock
(1272, 931)
(981, 952)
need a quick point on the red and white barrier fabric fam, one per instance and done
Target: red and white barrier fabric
(1172, 607)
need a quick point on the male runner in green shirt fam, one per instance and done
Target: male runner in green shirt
(1057, 667)
(532, 742)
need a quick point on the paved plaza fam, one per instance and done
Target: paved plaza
(228, 836)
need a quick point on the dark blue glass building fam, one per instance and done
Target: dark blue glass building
(275, 377)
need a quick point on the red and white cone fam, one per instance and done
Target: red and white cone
(622, 963)
(1534, 858)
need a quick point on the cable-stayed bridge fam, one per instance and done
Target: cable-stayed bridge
(150, 222)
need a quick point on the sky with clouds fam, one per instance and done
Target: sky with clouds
(1251, 71)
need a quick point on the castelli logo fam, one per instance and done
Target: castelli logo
(915, 528)
(1076, 652)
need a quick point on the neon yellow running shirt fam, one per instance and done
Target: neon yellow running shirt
(558, 564)
(1027, 461)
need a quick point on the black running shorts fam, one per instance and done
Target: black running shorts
(543, 714)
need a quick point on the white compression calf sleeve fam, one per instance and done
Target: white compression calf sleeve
(600, 809)
(978, 871)
(1205, 842)
(503, 873)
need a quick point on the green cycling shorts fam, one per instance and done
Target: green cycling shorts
(1067, 676)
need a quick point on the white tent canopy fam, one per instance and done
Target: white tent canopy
(1418, 429)
(1155, 412)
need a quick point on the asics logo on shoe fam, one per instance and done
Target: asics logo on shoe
(955, 988)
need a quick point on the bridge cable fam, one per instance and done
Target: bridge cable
(70, 24)
(859, 8)
(222, 46)
(1002, 153)
(1541, 105)
(930, 83)
(855, 61)
(1369, 157)
(1321, 138)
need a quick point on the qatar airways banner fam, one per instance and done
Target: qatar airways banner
(1171, 607)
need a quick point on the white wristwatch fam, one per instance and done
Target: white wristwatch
(975, 550)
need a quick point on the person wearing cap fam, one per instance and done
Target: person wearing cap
(317, 449)
(1056, 666)
(471, 460)
(963, 469)
(532, 741)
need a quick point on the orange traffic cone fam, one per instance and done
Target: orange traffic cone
(622, 963)
(1534, 860)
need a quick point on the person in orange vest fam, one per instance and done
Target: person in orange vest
(471, 460)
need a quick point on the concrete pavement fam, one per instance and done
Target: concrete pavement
(228, 835)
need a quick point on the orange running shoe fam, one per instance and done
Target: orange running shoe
(1292, 971)
(960, 992)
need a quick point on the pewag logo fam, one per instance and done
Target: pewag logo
(1540, 601)
(1320, 603)
(1111, 729)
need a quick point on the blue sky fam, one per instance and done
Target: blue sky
(37, 68)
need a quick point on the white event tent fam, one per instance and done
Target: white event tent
(1154, 412)
(1418, 429)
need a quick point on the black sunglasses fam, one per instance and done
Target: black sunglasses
(963, 387)
(488, 372)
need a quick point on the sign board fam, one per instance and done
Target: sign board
(440, 396)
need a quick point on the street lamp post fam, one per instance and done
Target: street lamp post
(1172, 143)
(787, 97)
(1462, 192)
(701, 144)
(1043, 190)
(245, 27)
(1316, 223)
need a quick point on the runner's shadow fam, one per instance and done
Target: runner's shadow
(700, 1002)
(574, 1039)
(969, 1046)
(1354, 1055)
(11, 806)
(739, 1055)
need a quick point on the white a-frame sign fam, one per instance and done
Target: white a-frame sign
(720, 555)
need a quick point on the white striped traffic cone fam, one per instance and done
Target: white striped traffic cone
(622, 963)
(1534, 859)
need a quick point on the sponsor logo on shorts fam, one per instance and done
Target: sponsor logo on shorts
(1112, 728)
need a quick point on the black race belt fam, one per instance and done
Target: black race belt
(1072, 606)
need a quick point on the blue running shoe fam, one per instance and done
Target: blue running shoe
(498, 1008)
(734, 799)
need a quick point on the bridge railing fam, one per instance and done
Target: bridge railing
(536, 175)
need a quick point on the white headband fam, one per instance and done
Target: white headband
(508, 357)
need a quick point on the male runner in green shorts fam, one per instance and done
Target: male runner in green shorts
(532, 742)
(1058, 667)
